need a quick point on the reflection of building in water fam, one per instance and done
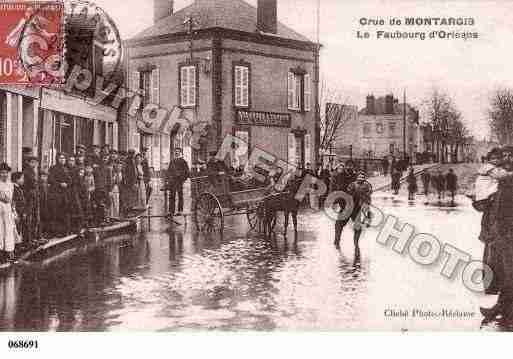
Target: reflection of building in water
(9, 293)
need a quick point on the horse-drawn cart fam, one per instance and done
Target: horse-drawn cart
(212, 201)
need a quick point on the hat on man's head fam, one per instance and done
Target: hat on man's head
(5, 167)
(82, 147)
(32, 158)
(212, 153)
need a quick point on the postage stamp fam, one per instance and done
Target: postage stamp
(31, 42)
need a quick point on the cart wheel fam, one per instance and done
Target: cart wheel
(208, 213)
(255, 218)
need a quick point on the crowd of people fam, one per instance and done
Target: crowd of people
(91, 187)
(437, 182)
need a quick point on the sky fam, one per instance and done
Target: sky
(468, 70)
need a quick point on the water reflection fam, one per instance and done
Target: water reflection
(170, 279)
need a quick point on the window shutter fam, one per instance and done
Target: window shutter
(292, 151)
(290, 90)
(238, 86)
(135, 81)
(245, 86)
(183, 86)
(308, 92)
(308, 148)
(192, 86)
(155, 86)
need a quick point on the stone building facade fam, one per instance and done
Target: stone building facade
(230, 66)
(377, 130)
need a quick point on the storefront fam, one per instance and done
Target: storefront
(68, 121)
(273, 132)
(19, 116)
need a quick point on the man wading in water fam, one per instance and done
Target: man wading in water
(361, 192)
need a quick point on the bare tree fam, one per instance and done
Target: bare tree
(335, 112)
(448, 130)
(501, 115)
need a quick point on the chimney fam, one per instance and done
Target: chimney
(267, 16)
(162, 9)
(371, 105)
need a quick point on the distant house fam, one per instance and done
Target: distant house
(377, 130)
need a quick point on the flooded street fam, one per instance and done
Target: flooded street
(172, 278)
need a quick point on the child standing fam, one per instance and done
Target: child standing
(9, 236)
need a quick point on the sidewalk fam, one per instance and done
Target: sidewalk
(381, 183)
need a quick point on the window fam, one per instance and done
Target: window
(299, 91)
(241, 85)
(146, 86)
(379, 128)
(366, 129)
(391, 129)
(308, 92)
(188, 84)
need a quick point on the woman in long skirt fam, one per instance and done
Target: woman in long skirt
(117, 178)
(9, 236)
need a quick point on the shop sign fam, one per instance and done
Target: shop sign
(260, 118)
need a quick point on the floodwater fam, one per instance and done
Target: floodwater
(172, 278)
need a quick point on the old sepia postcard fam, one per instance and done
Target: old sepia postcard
(255, 165)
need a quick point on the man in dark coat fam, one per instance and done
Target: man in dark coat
(60, 183)
(411, 179)
(102, 189)
(451, 182)
(396, 180)
(385, 164)
(177, 174)
(340, 182)
(324, 175)
(502, 247)
(439, 182)
(31, 193)
(361, 192)
(426, 179)
(94, 158)
(128, 190)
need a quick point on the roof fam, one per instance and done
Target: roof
(379, 107)
(228, 14)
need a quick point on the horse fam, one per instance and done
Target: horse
(278, 202)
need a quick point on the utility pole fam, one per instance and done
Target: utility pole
(404, 124)
(191, 35)
(317, 134)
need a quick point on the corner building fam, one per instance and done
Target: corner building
(239, 70)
